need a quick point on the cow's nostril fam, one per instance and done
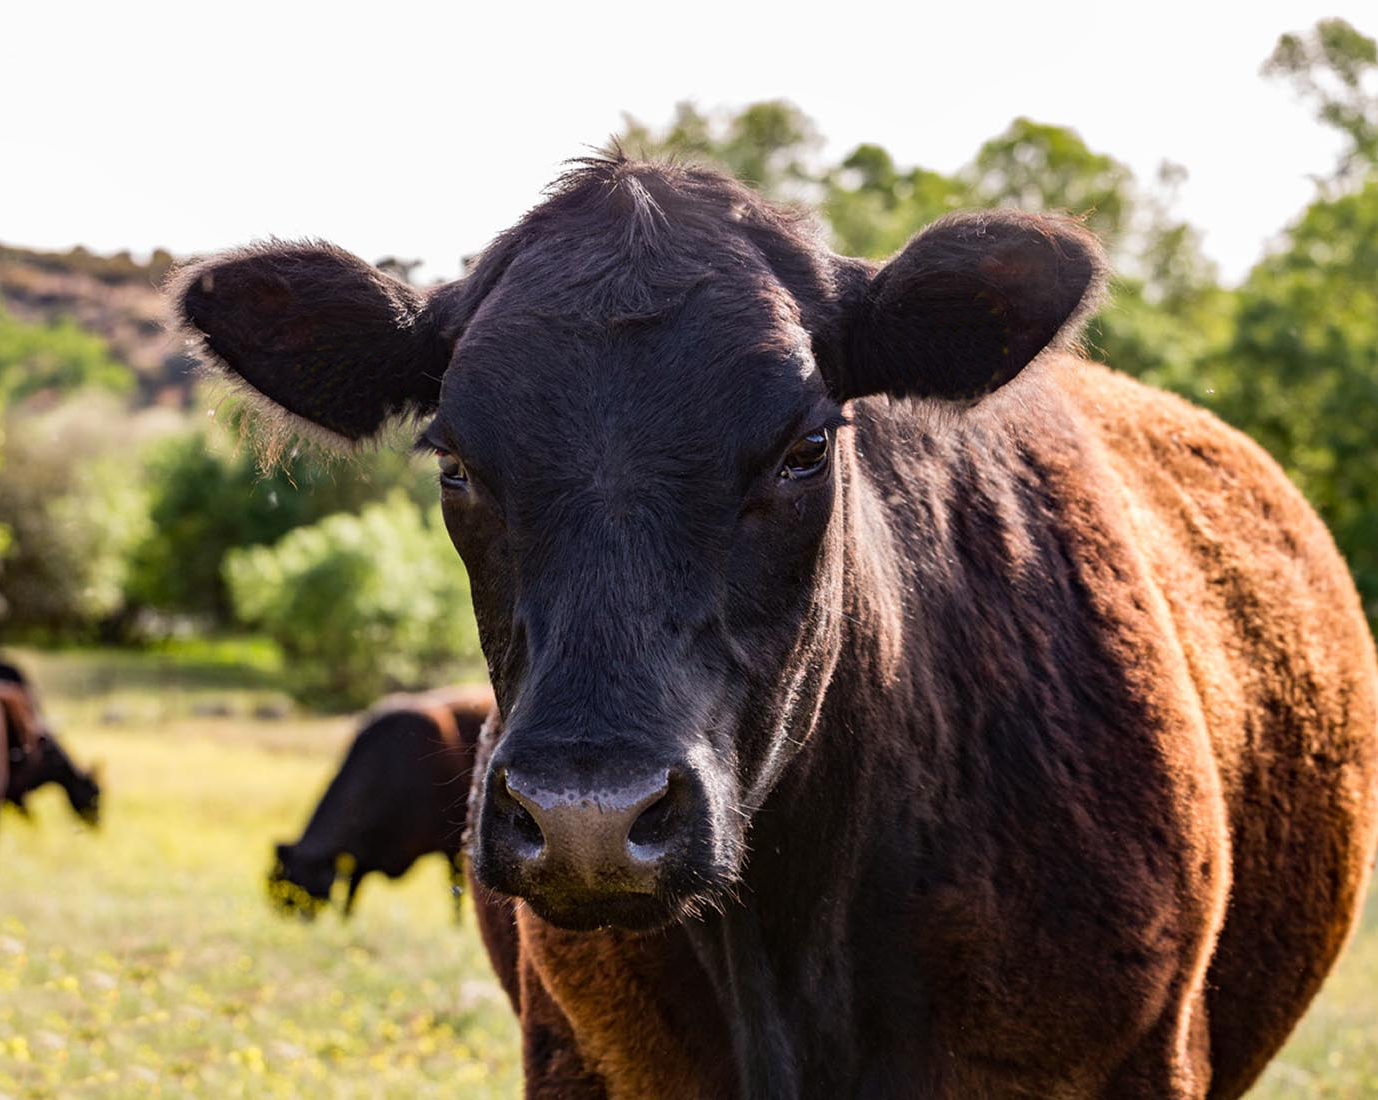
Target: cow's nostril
(659, 821)
(523, 823)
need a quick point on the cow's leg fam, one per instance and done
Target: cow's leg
(356, 876)
(457, 883)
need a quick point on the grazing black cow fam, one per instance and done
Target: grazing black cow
(881, 718)
(400, 794)
(43, 760)
(49, 763)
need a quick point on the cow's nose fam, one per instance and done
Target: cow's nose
(609, 838)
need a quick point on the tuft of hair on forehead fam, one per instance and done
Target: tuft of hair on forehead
(630, 238)
(650, 198)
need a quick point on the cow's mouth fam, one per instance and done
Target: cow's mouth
(290, 899)
(632, 912)
(679, 891)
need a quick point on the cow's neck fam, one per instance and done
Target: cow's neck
(740, 961)
(786, 954)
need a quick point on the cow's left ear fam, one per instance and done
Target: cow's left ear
(968, 304)
(322, 335)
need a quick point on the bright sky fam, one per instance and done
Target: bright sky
(421, 129)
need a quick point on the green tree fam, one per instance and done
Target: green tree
(769, 145)
(1334, 67)
(873, 207)
(1168, 313)
(1034, 166)
(1301, 374)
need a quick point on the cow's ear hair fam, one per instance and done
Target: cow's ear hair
(324, 337)
(968, 304)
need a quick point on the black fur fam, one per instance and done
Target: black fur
(49, 763)
(969, 303)
(400, 794)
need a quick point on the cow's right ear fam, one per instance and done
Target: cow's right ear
(320, 334)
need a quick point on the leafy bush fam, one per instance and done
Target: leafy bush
(360, 604)
(209, 495)
(73, 504)
(60, 356)
(68, 507)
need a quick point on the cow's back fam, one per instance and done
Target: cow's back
(416, 753)
(1282, 659)
(457, 714)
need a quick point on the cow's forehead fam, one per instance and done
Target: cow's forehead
(723, 357)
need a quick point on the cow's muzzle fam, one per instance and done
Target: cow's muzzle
(589, 852)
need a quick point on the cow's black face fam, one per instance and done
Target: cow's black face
(636, 399)
(646, 513)
(84, 795)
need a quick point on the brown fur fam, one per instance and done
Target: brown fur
(1239, 629)
(1282, 664)
(447, 708)
(19, 728)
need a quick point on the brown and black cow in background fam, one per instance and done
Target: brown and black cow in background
(19, 724)
(50, 763)
(400, 794)
(34, 756)
(894, 704)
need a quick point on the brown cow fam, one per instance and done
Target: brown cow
(894, 705)
(20, 725)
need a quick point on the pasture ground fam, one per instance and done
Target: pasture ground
(142, 960)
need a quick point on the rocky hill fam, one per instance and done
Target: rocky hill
(115, 297)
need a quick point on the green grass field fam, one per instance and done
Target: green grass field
(142, 960)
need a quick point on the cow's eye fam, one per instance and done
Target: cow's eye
(452, 471)
(807, 457)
